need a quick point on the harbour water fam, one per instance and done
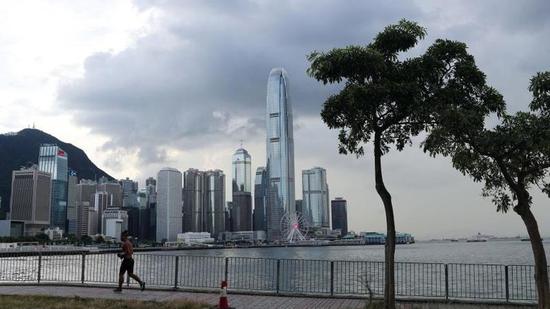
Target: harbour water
(509, 252)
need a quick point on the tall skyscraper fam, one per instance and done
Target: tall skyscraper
(114, 189)
(85, 191)
(241, 214)
(169, 204)
(193, 200)
(204, 201)
(54, 160)
(339, 215)
(215, 203)
(280, 152)
(315, 205)
(30, 199)
(72, 211)
(260, 199)
(129, 193)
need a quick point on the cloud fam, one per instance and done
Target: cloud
(186, 93)
(200, 76)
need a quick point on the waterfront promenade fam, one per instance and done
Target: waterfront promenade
(236, 300)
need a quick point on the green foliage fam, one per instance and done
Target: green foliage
(42, 238)
(398, 99)
(509, 158)
(86, 239)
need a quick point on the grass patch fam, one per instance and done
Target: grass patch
(51, 302)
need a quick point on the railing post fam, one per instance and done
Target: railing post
(277, 275)
(446, 282)
(507, 284)
(226, 270)
(39, 267)
(82, 271)
(331, 278)
(176, 274)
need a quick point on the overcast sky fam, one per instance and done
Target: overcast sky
(140, 85)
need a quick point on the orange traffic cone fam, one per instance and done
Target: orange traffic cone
(223, 303)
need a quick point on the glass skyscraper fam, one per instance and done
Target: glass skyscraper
(280, 152)
(241, 213)
(315, 205)
(260, 199)
(54, 160)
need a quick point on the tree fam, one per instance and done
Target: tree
(42, 238)
(99, 239)
(509, 160)
(86, 240)
(387, 101)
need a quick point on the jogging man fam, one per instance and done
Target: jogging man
(127, 263)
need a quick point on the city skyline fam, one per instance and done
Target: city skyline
(152, 115)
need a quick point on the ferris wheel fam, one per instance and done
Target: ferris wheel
(294, 227)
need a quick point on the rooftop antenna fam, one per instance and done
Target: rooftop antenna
(241, 143)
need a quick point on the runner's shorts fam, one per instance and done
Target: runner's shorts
(127, 266)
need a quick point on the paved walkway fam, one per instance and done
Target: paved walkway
(236, 301)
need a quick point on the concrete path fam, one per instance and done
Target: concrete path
(236, 301)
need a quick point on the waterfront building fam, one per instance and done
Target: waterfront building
(299, 208)
(54, 233)
(215, 202)
(373, 238)
(243, 236)
(85, 191)
(169, 204)
(151, 190)
(339, 215)
(204, 201)
(315, 202)
(53, 160)
(228, 207)
(114, 221)
(242, 191)
(31, 199)
(72, 212)
(194, 238)
(260, 200)
(241, 212)
(193, 200)
(129, 193)
(280, 152)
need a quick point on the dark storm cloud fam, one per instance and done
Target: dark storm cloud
(201, 76)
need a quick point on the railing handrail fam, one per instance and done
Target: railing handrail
(111, 251)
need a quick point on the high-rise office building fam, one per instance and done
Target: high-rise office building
(129, 193)
(54, 160)
(193, 200)
(299, 207)
(169, 204)
(72, 211)
(260, 199)
(30, 199)
(204, 201)
(85, 191)
(114, 222)
(315, 201)
(242, 171)
(114, 189)
(339, 215)
(215, 202)
(241, 213)
(280, 152)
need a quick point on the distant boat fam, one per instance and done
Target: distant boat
(477, 238)
(528, 239)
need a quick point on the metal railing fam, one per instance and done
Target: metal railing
(481, 282)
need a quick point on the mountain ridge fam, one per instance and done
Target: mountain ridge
(21, 149)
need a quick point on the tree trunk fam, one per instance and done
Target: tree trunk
(541, 265)
(389, 283)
